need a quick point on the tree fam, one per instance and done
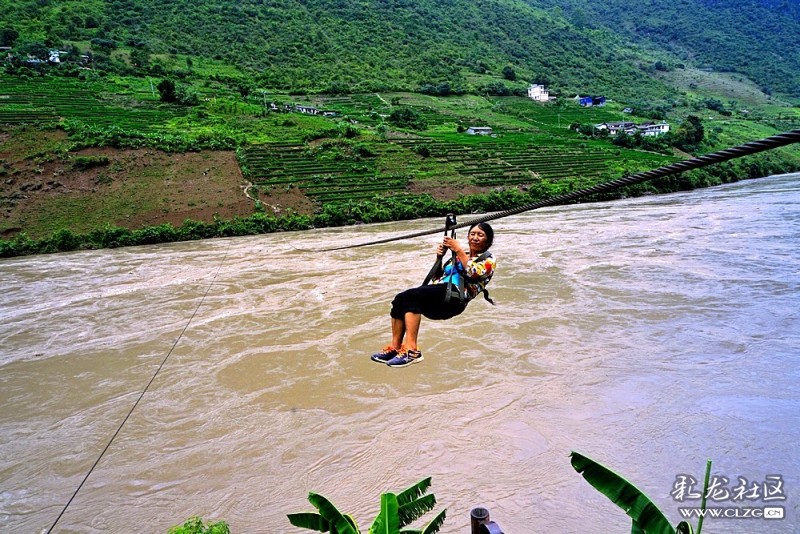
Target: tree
(103, 45)
(407, 118)
(509, 74)
(166, 88)
(140, 58)
(690, 133)
(8, 36)
(34, 49)
(497, 88)
(195, 525)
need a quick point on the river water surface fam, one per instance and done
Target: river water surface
(649, 334)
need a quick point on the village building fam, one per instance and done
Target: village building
(647, 128)
(616, 127)
(538, 93)
(479, 130)
(589, 101)
(307, 109)
(653, 128)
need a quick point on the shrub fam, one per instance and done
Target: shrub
(195, 525)
(82, 163)
(408, 118)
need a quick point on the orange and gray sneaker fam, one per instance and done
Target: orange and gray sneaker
(387, 354)
(405, 358)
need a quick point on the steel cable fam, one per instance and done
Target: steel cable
(747, 149)
(141, 395)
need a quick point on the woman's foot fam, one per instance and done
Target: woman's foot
(405, 358)
(387, 354)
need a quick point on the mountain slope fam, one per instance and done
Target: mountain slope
(758, 38)
(355, 46)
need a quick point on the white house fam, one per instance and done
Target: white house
(307, 109)
(479, 130)
(652, 128)
(648, 128)
(538, 93)
(615, 127)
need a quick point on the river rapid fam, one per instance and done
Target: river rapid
(649, 334)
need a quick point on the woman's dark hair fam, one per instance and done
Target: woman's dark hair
(488, 230)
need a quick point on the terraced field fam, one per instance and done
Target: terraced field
(507, 160)
(371, 109)
(37, 101)
(514, 160)
(288, 165)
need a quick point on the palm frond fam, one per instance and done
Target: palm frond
(636, 504)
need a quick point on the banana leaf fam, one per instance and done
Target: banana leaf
(645, 515)
(343, 524)
(309, 520)
(413, 510)
(431, 528)
(414, 492)
(387, 521)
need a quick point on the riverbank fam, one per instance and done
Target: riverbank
(394, 208)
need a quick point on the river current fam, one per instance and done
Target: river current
(649, 334)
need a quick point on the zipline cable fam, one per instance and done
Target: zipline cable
(747, 149)
(135, 404)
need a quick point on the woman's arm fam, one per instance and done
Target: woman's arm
(456, 247)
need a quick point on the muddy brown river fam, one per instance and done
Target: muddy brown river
(649, 334)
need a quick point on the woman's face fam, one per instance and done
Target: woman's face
(477, 240)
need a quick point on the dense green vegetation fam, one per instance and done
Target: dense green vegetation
(345, 47)
(195, 525)
(757, 38)
(334, 46)
(400, 82)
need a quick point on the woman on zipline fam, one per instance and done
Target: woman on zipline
(462, 279)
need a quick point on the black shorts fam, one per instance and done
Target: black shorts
(426, 300)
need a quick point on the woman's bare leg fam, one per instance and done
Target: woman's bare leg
(412, 321)
(398, 332)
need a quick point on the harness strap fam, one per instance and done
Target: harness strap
(451, 286)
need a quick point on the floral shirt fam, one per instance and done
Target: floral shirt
(476, 274)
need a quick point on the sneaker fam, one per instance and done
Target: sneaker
(386, 354)
(405, 358)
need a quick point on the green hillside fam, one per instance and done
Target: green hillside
(90, 142)
(757, 38)
(334, 46)
(574, 46)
